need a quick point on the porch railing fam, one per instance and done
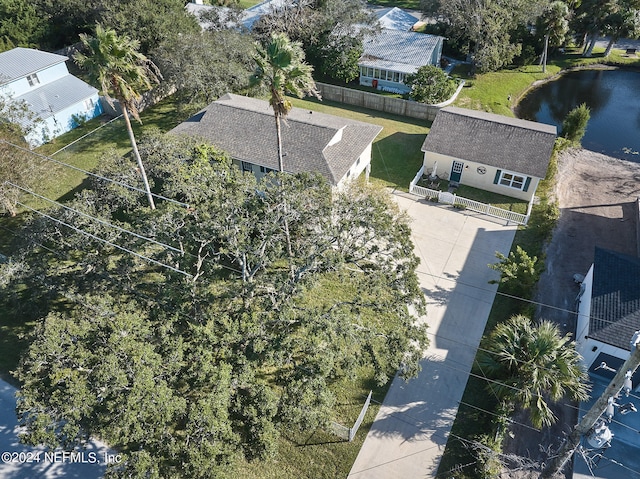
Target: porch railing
(471, 205)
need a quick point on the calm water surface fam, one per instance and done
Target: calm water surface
(614, 99)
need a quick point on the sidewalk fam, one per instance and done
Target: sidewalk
(25, 462)
(409, 434)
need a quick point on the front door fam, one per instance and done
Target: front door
(456, 171)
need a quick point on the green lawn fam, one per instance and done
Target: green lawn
(103, 139)
(396, 156)
(248, 3)
(499, 92)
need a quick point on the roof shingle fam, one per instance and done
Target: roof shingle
(615, 298)
(244, 127)
(517, 145)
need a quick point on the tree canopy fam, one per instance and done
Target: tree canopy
(330, 32)
(532, 363)
(197, 343)
(203, 66)
(147, 21)
(430, 85)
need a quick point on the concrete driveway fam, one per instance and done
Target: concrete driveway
(409, 434)
(23, 462)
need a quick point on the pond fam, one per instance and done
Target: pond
(614, 99)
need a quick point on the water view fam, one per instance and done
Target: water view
(614, 99)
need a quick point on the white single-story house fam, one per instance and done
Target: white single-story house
(43, 83)
(390, 55)
(608, 312)
(395, 19)
(492, 152)
(338, 148)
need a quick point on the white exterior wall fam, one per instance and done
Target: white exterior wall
(362, 163)
(21, 86)
(437, 53)
(367, 79)
(589, 348)
(64, 121)
(471, 177)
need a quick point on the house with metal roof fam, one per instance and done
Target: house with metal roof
(395, 19)
(338, 148)
(492, 152)
(42, 82)
(390, 55)
(608, 309)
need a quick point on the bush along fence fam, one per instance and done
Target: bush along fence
(464, 203)
(374, 101)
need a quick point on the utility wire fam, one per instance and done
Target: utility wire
(151, 260)
(94, 218)
(119, 183)
(487, 290)
(86, 134)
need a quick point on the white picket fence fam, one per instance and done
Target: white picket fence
(471, 205)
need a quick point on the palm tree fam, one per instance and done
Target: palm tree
(282, 70)
(530, 362)
(123, 73)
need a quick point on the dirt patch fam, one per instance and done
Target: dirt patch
(597, 196)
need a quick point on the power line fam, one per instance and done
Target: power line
(94, 218)
(89, 173)
(151, 260)
(537, 303)
(86, 134)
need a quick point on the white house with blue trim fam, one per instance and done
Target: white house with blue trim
(43, 83)
(390, 55)
(492, 152)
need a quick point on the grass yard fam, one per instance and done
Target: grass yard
(248, 3)
(396, 155)
(498, 92)
(103, 139)
(320, 454)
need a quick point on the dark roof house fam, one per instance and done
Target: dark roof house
(488, 151)
(615, 298)
(336, 147)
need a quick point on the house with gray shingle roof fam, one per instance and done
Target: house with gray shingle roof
(338, 148)
(42, 82)
(492, 152)
(390, 55)
(608, 309)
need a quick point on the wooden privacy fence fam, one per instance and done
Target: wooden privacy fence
(465, 203)
(387, 104)
(375, 101)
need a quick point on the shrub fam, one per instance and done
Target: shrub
(430, 85)
(575, 124)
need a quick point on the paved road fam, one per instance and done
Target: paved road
(23, 462)
(409, 434)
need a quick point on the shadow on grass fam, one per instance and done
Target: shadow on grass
(397, 158)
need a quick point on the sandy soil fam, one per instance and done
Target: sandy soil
(596, 195)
